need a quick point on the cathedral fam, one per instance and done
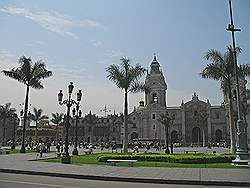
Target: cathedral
(193, 122)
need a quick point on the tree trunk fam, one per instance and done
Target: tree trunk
(125, 141)
(36, 135)
(25, 119)
(4, 132)
(56, 142)
(231, 122)
(167, 144)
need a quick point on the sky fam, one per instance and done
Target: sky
(78, 39)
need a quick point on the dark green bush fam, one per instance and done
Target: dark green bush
(177, 158)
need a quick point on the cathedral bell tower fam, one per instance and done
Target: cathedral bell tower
(155, 93)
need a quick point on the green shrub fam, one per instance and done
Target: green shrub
(177, 158)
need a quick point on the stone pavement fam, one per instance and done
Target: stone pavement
(24, 163)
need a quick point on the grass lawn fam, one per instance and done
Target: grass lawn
(92, 159)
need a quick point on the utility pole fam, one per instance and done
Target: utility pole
(242, 149)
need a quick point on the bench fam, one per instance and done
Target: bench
(114, 161)
(191, 151)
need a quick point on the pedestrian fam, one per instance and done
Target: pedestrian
(58, 148)
(40, 149)
(48, 147)
(172, 148)
(61, 147)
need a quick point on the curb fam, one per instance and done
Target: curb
(123, 179)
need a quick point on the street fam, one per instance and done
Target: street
(31, 181)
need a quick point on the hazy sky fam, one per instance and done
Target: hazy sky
(78, 39)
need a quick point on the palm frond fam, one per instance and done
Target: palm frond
(126, 76)
(214, 56)
(56, 118)
(28, 73)
(36, 84)
(6, 111)
(212, 71)
(15, 74)
(137, 87)
(116, 75)
(244, 70)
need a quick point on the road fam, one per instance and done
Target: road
(31, 181)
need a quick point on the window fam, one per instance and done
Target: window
(217, 115)
(134, 125)
(153, 116)
(154, 98)
(173, 115)
(153, 126)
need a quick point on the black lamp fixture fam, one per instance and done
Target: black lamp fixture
(68, 102)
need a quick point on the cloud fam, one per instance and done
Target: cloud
(54, 22)
(96, 43)
(111, 56)
(113, 53)
(7, 59)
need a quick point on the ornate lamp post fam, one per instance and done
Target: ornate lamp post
(242, 150)
(15, 123)
(77, 114)
(68, 102)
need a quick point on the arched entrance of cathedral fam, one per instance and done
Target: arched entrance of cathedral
(196, 135)
(133, 135)
(218, 135)
(174, 137)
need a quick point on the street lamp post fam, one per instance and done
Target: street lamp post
(77, 114)
(15, 123)
(68, 102)
(242, 150)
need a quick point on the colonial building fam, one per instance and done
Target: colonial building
(193, 122)
(94, 129)
(46, 132)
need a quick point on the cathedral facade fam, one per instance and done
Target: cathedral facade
(193, 122)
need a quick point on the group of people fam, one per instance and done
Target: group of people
(43, 148)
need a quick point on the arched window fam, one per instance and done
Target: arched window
(174, 136)
(153, 116)
(154, 98)
(218, 135)
(134, 135)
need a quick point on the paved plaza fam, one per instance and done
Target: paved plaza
(27, 164)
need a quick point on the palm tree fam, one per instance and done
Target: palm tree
(222, 69)
(6, 112)
(31, 75)
(166, 120)
(126, 77)
(37, 117)
(57, 119)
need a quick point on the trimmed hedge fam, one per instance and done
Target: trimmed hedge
(176, 158)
